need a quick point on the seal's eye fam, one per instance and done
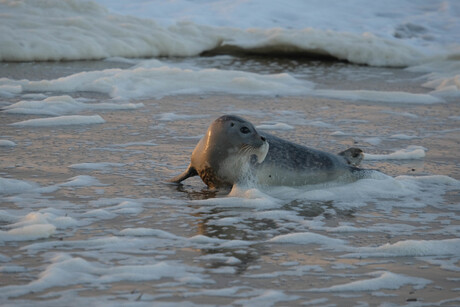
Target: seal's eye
(232, 124)
(245, 130)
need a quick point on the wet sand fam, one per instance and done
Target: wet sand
(43, 155)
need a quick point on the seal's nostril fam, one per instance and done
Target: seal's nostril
(262, 138)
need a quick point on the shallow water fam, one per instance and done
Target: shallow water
(86, 216)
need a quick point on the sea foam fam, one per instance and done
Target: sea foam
(382, 280)
(7, 143)
(409, 153)
(145, 80)
(66, 120)
(59, 105)
(79, 30)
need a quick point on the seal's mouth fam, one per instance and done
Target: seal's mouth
(260, 152)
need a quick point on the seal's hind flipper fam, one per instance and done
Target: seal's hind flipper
(190, 172)
(352, 156)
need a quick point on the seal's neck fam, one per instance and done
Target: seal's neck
(235, 168)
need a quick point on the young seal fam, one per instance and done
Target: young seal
(233, 151)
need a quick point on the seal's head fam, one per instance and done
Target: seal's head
(222, 154)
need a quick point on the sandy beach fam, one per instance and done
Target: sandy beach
(383, 239)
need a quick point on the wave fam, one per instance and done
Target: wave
(55, 30)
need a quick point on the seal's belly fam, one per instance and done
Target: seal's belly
(270, 174)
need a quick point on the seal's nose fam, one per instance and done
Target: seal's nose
(262, 138)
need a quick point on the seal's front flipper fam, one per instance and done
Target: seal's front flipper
(190, 172)
(352, 156)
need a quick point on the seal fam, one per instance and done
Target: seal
(232, 151)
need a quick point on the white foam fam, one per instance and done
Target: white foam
(59, 105)
(158, 81)
(411, 248)
(7, 143)
(356, 48)
(141, 232)
(409, 153)
(91, 25)
(351, 195)
(65, 120)
(382, 280)
(241, 196)
(127, 207)
(174, 116)
(299, 270)
(53, 106)
(417, 24)
(7, 217)
(402, 136)
(379, 96)
(101, 214)
(56, 219)
(375, 186)
(387, 228)
(8, 91)
(449, 264)
(275, 126)
(373, 140)
(300, 27)
(66, 271)
(229, 260)
(339, 133)
(379, 184)
(34, 96)
(307, 238)
(443, 76)
(27, 233)
(12, 269)
(13, 186)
